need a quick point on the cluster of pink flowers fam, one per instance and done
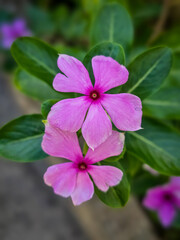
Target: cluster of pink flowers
(165, 200)
(92, 113)
(10, 31)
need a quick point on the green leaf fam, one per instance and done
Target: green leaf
(46, 106)
(157, 145)
(108, 49)
(116, 196)
(35, 87)
(174, 75)
(164, 104)
(36, 57)
(131, 164)
(113, 24)
(147, 72)
(20, 139)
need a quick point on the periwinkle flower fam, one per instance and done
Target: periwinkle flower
(165, 200)
(72, 178)
(11, 31)
(92, 111)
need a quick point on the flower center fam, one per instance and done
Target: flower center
(82, 166)
(168, 197)
(94, 95)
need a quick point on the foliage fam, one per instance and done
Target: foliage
(152, 76)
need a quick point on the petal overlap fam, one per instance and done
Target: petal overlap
(71, 113)
(113, 146)
(97, 126)
(62, 177)
(59, 143)
(84, 189)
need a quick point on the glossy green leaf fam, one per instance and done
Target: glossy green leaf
(35, 87)
(108, 49)
(164, 104)
(113, 24)
(46, 106)
(131, 164)
(157, 145)
(148, 71)
(174, 75)
(116, 196)
(36, 57)
(20, 139)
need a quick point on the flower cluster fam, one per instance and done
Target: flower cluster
(92, 113)
(165, 200)
(11, 31)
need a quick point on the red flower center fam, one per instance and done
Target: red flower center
(94, 95)
(82, 166)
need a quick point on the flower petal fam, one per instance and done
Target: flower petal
(69, 114)
(59, 143)
(124, 109)
(76, 79)
(105, 176)
(112, 146)
(108, 73)
(62, 177)
(84, 189)
(154, 198)
(19, 25)
(175, 180)
(97, 126)
(166, 214)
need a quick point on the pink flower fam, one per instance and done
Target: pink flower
(72, 178)
(165, 200)
(69, 114)
(11, 31)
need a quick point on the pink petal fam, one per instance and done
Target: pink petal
(166, 214)
(105, 176)
(19, 25)
(62, 177)
(154, 198)
(112, 146)
(125, 110)
(108, 73)
(58, 143)
(69, 114)
(84, 189)
(76, 79)
(175, 180)
(97, 126)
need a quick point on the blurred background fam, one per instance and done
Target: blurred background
(28, 208)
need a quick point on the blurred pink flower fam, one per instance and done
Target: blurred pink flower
(125, 110)
(165, 200)
(72, 178)
(11, 31)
